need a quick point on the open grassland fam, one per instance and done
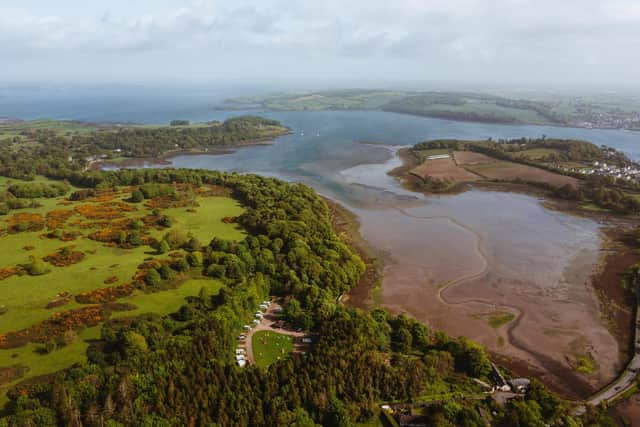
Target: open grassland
(206, 221)
(269, 347)
(167, 301)
(73, 244)
(26, 297)
(38, 363)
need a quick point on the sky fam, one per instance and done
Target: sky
(473, 41)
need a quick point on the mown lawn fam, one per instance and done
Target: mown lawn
(269, 347)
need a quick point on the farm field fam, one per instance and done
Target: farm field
(68, 259)
(465, 158)
(509, 171)
(444, 169)
(268, 347)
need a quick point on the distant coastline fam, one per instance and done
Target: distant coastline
(455, 106)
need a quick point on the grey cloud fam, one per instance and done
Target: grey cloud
(453, 33)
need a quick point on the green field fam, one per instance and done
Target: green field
(167, 301)
(269, 347)
(24, 298)
(537, 153)
(44, 364)
(161, 303)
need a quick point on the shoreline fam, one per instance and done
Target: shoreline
(604, 282)
(164, 158)
(347, 224)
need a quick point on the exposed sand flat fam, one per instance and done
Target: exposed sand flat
(444, 169)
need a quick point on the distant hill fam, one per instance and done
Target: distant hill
(607, 112)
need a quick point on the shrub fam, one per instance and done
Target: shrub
(163, 247)
(194, 259)
(216, 270)
(176, 238)
(136, 196)
(165, 272)
(153, 278)
(181, 265)
(36, 267)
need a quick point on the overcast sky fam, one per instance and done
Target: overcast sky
(487, 41)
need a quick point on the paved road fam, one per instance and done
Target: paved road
(628, 376)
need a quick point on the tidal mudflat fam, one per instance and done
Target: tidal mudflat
(497, 267)
(460, 262)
